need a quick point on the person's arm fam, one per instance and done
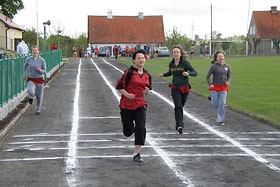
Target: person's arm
(189, 70)
(126, 94)
(208, 76)
(42, 70)
(228, 76)
(25, 69)
(167, 74)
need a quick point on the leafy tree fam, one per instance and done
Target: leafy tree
(30, 38)
(10, 7)
(175, 37)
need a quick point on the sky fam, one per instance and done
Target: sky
(190, 17)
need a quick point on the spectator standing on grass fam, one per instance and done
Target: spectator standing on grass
(181, 69)
(35, 79)
(206, 49)
(192, 50)
(135, 82)
(219, 84)
(201, 50)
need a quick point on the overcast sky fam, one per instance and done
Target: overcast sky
(230, 17)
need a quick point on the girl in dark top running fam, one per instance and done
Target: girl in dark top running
(181, 69)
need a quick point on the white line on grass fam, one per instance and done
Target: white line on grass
(161, 152)
(214, 131)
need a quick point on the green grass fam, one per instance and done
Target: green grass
(255, 84)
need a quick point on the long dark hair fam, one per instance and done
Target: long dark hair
(216, 55)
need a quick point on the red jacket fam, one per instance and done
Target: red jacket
(136, 85)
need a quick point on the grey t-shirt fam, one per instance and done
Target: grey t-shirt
(31, 64)
(221, 74)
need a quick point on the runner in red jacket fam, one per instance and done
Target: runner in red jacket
(133, 84)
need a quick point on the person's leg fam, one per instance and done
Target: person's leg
(140, 133)
(140, 123)
(178, 110)
(221, 106)
(184, 97)
(31, 91)
(39, 97)
(127, 122)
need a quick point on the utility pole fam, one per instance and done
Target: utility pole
(211, 23)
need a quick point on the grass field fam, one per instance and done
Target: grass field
(254, 89)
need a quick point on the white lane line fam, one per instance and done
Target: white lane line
(71, 159)
(161, 152)
(129, 156)
(102, 117)
(214, 131)
(153, 133)
(129, 139)
(130, 146)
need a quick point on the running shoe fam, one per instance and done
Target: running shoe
(220, 123)
(137, 159)
(180, 130)
(30, 100)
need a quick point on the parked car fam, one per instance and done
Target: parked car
(163, 51)
(103, 51)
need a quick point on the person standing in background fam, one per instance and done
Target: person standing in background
(22, 48)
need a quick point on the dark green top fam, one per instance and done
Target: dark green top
(177, 71)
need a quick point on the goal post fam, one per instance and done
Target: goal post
(231, 48)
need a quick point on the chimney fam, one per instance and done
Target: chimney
(274, 10)
(140, 15)
(109, 14)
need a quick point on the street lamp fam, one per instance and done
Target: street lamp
(45, 45)
(58, 32)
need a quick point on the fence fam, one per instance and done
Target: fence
(11, 73)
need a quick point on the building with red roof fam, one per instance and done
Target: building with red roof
(125, 30)
(264, 31)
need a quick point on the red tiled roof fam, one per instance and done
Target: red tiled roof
(267, 24)
(125, 29)
(9, 23)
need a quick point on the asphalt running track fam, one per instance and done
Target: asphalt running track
(78, 141)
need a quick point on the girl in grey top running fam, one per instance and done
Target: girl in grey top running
(219, 84)
(35, 79)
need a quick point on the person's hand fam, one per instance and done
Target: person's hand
(147, 90)
(185, 74)
(211, 86)
(130, 96)
(24, 77)
(227, 83)
(38, 69)
(160, 75)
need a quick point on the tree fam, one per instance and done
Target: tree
(10, 7)
(30, 38)
(175, 37)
